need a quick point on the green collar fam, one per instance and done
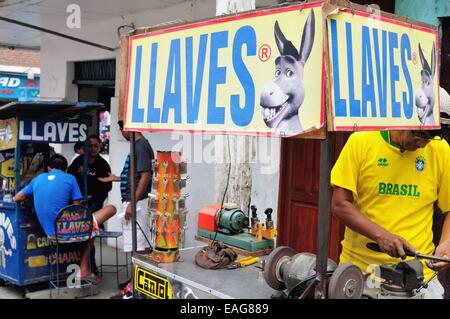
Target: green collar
(385, 136)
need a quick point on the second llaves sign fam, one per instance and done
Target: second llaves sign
(384, 73)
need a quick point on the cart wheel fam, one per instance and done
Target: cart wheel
(272, 266)
(347, 282)
(2, 283)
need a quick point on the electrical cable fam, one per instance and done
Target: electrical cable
(219, 215)
(143, 233)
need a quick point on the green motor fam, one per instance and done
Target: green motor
(232, 221)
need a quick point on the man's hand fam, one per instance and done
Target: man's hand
(80, 170)
(109, 178)
(128, 212)
(20, 197)
(395, 246)
(443, 250)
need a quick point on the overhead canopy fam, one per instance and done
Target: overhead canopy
(54, 15)
(47, 109)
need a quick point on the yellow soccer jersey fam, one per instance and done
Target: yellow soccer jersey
(394, 190)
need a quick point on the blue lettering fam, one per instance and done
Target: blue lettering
(153, 113)
(243, 116)
(368, 89)
(381, 73)
(217, 75)
(340, 104)
(172, 99)
(193, 102)
(393, 44)
(355, 105)
(138, 113)
(408, 108)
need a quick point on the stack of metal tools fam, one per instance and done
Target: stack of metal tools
(167, 206)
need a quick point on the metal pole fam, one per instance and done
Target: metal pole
(133, 189)
(323, 219)
(85, 168)
(31, 26)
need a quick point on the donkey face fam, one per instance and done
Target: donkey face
(425, 94)
(281, 98)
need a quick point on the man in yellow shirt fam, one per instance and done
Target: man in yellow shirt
(385, 184)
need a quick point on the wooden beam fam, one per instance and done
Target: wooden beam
(319, 134)
(123, 75)
(363, 8)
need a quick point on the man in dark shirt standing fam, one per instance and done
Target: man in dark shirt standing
(97, 167)
(97, 190)
(144, 156)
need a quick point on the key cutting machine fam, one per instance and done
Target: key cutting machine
(230, 225)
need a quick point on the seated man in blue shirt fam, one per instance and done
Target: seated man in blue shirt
(55, 190)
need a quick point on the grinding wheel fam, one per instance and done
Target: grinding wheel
(347, 282)
(272, 273)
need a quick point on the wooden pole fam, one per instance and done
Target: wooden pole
(123, 74)
(323, 220)
(133, 190)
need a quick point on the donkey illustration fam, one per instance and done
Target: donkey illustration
(425, 95)
(281, 99)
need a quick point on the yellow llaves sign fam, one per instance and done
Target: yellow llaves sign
(8, 134)
(385, 73)
(7, 168)
(257, 73)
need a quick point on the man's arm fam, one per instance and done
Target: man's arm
(106, 170)
(140, 190)
(143, 184)
(343, 209)
(20, 197)
(443, 250)
(109, 178)
(76, 168)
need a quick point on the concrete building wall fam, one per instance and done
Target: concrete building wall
(428, 11)
(57, 57)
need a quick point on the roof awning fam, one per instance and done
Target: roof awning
(47, 109)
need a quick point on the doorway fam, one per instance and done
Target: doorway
(96, 83)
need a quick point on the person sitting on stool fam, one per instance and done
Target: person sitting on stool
(55, 190)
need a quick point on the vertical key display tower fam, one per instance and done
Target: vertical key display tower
(167, 206)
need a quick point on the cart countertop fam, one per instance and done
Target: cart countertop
(240, 283)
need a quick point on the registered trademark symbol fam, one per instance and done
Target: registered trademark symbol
(414, 58)
(264, 52)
